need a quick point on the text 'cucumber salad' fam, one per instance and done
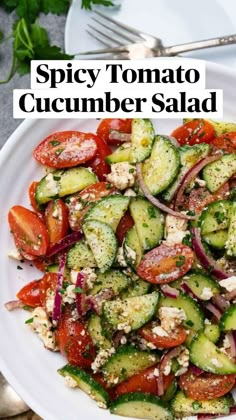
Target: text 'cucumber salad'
(137, 249)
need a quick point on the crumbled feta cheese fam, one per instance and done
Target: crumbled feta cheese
(90, 276)
(216, 362)
(156, 372)
(120, 257)
(206, 293)
(51, 184)
(226, 345)
(49, 301)
(171, 317)
(131, 254)
(167, 369)
(229, 284)
(124, 326)
(183, 360)
(151, 346)
(160, 331)
(200, 182)
(123, 340)
(55, 213)
(207, 322)
(43, 327)
(69, 296)
(101, 358)
(70, 382)
(73, 276)
(122, 175)
(175, 230)
(14, 254)
(130, 193)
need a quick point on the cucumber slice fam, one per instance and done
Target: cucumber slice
(162, 167)
(132, 241)
(102, 242)
(141, 406)
(215, 217)
(86, 383)
(184, 406)
(217, 173)
(228, 319)
(61, 183)
(133, 312)
(189, 156)
(204, 354)
(142, 137)
(231, 240)
(170, 392)
(212, 332)
(194, 314)
(138, 287)
(198, 282)
(95, 330)
(80, 255)
(114, 279)
(52, 268)
(216, 239)
(109, 210)
(220, 127)
(122, 154)
(149, 222)
(127, 361)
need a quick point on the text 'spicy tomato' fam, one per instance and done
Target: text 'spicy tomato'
(29, 232)
(111, 129)
(175, 338)
(166, 263)
(30, 294)
(56, 220)
(98, 164)
(47, 284)
(66, 149)
(194, 132)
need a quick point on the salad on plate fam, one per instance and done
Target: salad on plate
(135, 235)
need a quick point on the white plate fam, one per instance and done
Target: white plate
(174, 21)
(29, 368)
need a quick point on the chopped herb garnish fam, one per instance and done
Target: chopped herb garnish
(59, 151)
(19, 267)
(56, 178)
(78, 290)
(196, 405)
(29, 321)
(180, 261)
(145, 225)
(187, 240)
(220, 216)
(55, 143)
(131, 170)
(151, 212)
(189, 323)
(27, 307)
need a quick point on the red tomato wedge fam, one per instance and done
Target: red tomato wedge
(56, 220)
(194, 132)
(74, 341)
(111, 128)
(226, 142)
(98, 164)
(31, 192)
(166, 263)
(30, 294)
(144, 381)
(47, 284)
(126, 222)
(207, 386)
(201, 197)
(66, 149)
(29, 232)
(177, 337)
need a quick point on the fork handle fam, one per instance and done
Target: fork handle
(198, 45)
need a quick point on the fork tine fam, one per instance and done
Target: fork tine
(110, 38)
(109, 50)
(115, 31)
(99, 39)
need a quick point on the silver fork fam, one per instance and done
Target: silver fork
(132, 43)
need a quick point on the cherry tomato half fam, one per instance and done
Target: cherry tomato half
(29, 232)
(194, 132)
(177, 337)
(30, 294)
(207, 386)
(47, 284)
(166, 263)
(111, 128)
(56, 219)
(126, 222)
(66, 149)
(98, 164)
(201, 197)
(226, 142)
(32, 189)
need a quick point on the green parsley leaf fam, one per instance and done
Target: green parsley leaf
(87, 4)
(78, 290)
(29, 321)
(151, 212)
(57, 7)
(180, 260)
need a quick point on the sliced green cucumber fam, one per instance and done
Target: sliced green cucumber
(149, 222)
(184, 406)
(216, 239)
(132, 242)
(204, 354)
(52, 268)
(61, 183)
(170, 392)
(160, 170)
(194, 314)
(86, 383)
(122, 154)
(142, 137)
(127, 361)
(231, 240)
(215, 217)
(114, 279)
(133, 312)
(138, 287)
(109, 210)
(217, 173)
(141, 406)
(228, 319)
(95, 330)
(220, 127)
(198, 281)
(102, 242)
(189, 156)
(212, 332)
(79, 256)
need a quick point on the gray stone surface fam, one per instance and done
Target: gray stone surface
(55, 26)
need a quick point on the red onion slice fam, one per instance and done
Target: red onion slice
(96, 301)
(230, 295)
(64, 243)
(220, 302)
(172, 140)
(170, 291)
(14, 304)
(189, 177)
(185, 287)
(81, 305)
(232, 340)
(154, 200)
(116, 135)
(166, 359)
(214, 310)
(196, 370)
(207, 261)
(56, 313)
